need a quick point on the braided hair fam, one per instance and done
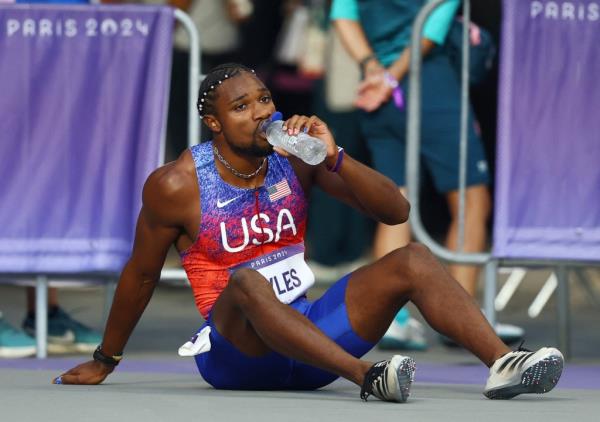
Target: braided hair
(208, 89)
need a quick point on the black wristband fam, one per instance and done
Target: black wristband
(107, 360)
(366, 60)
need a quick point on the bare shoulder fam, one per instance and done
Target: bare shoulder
(169, 188)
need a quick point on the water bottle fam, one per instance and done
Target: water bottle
(308, 148)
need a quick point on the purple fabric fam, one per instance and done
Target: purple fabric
(82, 103)
(548, 176)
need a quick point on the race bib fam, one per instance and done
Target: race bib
(285, 269)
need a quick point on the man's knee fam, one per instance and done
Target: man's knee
(412, 258)
(413, 250)
(247, 283)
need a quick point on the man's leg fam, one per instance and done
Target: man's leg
(52, 298)
(376, 292)
(387, 238)
(65, 334)
(477, 211)
(250, 316)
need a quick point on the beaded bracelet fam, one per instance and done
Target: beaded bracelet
(338, 161)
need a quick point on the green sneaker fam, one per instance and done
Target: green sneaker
(65, 334)
(14, 343)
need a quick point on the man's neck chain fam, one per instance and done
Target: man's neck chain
(234, 171)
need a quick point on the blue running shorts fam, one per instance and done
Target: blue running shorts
(225, 367)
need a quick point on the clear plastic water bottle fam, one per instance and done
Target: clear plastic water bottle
(309, 149)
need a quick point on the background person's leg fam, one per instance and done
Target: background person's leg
(441, 151)
(387, 238)
(477, 211)
(442, 160)
(404, 332)
(65, 334)
(329, 241)
(385, 131)
(52, 298)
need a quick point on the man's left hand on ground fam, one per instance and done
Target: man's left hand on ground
(91, 372)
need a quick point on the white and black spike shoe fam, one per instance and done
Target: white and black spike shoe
(389, 380)
(523, 372)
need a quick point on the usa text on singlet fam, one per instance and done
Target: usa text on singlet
(261, 229)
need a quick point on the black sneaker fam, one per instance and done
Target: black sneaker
(66, 334)
(524, 372)
(389, 380)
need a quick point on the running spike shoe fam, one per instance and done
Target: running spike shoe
(523, 372)
(389, 380)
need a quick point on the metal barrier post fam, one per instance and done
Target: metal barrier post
(193, 77)
(41, 316)
(491, 283)
(193, 119)
(464, 120)
(564, 343)
(414, 144)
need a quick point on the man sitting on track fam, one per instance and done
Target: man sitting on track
(236, 211)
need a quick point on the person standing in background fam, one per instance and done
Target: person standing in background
(377, 35)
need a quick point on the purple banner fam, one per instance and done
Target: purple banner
(548, 172)
(83, 94)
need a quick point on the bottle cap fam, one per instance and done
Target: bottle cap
(265, 123)
(276, 116)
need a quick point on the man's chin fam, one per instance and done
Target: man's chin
(255, 150)
(264, 151)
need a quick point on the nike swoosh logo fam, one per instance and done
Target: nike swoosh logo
(225, 203)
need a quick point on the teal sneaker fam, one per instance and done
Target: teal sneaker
(65, 334)
(14, 343)
(404, 333)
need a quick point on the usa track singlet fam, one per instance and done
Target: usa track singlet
(262, 229)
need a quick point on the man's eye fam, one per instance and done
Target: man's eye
(240, 107)
(265, 99)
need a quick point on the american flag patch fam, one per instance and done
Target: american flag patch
(279, 190)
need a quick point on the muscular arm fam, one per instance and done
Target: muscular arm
(366, 190)
(355, 184)
(166, 206)
(166, 197)
(140, 275)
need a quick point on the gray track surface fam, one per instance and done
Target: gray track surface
(28, 396)
(153, 384)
